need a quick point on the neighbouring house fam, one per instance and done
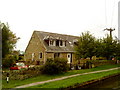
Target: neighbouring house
(44, 45)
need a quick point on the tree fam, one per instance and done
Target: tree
(118, 50)
(9, 40)
(86, 46)
(109, 46)
(89, 46)
(98, 47)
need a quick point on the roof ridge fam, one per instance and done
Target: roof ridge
(56, 33)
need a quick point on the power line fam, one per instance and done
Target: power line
(105, 13)
(109, 29)
(112, 13)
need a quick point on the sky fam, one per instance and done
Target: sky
(70, 17)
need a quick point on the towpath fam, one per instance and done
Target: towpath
(61, 78)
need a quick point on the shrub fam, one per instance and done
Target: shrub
(58, 65)
(118, 58)
(61, 64)
(22, 74)
(8, 61)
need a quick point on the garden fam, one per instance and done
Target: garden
(22, 77)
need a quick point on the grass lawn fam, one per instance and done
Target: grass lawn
(75, 80)
(14, 83)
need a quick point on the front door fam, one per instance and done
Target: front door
(69, 57)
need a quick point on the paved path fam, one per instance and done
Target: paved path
(42, 82)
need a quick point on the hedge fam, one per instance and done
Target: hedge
(22, 74)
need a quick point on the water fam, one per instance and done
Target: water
(113, 83)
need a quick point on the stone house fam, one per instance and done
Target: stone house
(43, 45)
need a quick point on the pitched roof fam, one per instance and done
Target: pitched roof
(68, 38)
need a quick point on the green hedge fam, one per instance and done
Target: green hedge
(22, 74)
(95, 63)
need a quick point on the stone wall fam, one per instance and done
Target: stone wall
(62, 55)
(35, 46)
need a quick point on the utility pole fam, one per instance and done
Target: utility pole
(110, 31)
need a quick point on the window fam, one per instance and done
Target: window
(56, 55)
(33, 56)
(52, 43)
(40, 55)
(68, 56)
(61, 43)
(65, 43)
(75, 43)
(47, 41)
(57, 42)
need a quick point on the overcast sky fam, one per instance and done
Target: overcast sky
(59, 16)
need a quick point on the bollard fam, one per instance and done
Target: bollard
(7, 77)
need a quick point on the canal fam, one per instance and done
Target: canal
(112, 83)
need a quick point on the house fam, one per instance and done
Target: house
(43, 45)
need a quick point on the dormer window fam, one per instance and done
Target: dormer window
(57, 42)
(61, 43)
(51, 43)
(65, 43)
(47, 41)
(75, 42)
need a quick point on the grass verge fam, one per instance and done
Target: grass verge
(14, 83)
(75, 80)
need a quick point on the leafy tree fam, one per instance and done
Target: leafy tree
(89, 46)
(9, 40)
(109, 45)
(86, 46)
(9, 60)
(98, 47)
(118, 50)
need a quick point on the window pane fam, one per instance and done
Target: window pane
(56, 55)
(61, 43)
(40, 55)
(57, 43)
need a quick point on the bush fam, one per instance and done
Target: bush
(22, 74)
(58, 65)
(61, 64)
(118, 58)
(8, 61)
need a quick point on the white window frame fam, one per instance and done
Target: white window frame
(53, 43)
(59, 43)
(40, 53)
(33, 54)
